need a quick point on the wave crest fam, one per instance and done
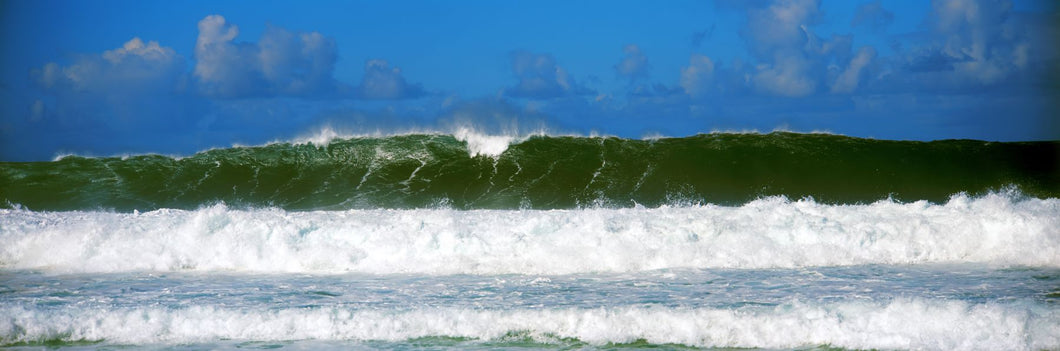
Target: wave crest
(471, 170)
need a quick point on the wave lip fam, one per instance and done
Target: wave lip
(768, 233)
(899, 324)
(478, 142)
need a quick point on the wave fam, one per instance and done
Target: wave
(477, 142)
(472, 171)
(898, 324)
(1000, 229)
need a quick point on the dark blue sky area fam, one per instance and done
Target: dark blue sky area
(176, 77)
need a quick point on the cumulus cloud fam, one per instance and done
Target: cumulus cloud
(779, 37)
(972, 45)
(381, 82)
(967, 51)
(979, 39)
(848, 81)
(792, 60)
(787, 76)
(141, 97)
(134, 68)
(134, 83)
(967, 45)
(104, 102)
(634, 66)
(540, 77)
(698, 75)
(778, 34)
(780, 27)
(281, 63)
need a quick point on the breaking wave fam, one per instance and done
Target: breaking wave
(997, 228)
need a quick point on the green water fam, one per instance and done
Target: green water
(418, 171)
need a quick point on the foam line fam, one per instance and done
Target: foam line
(900, 324)
(771, 232)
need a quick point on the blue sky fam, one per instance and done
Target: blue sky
(128, 77)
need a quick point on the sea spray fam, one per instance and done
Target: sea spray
(771, 232)
(469, 239)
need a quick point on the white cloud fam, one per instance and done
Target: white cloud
(981, 39)
(213, 51)
(281, 63)
(780, 26)
(135, 68)
(785, 77)
(137, 85)
(848, 80)
(792, 60)
(381, 82)
(790, 56)
(698, 75)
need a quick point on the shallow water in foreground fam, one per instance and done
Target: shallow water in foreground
(961, 306)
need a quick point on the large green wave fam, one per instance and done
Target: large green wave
(544, 172)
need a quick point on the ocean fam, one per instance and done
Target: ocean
(464, 241)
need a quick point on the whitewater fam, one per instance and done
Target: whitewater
(464, 241)
(767, 233)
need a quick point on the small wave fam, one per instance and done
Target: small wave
(900, 324)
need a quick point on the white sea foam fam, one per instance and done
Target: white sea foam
(321, 137)
(899, 324)
(771, 232)
(478, 142)
(483, 144)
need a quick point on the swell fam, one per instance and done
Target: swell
(542, 172)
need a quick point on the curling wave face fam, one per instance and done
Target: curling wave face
(470, 171)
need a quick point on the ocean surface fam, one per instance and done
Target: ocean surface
(467, 241)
